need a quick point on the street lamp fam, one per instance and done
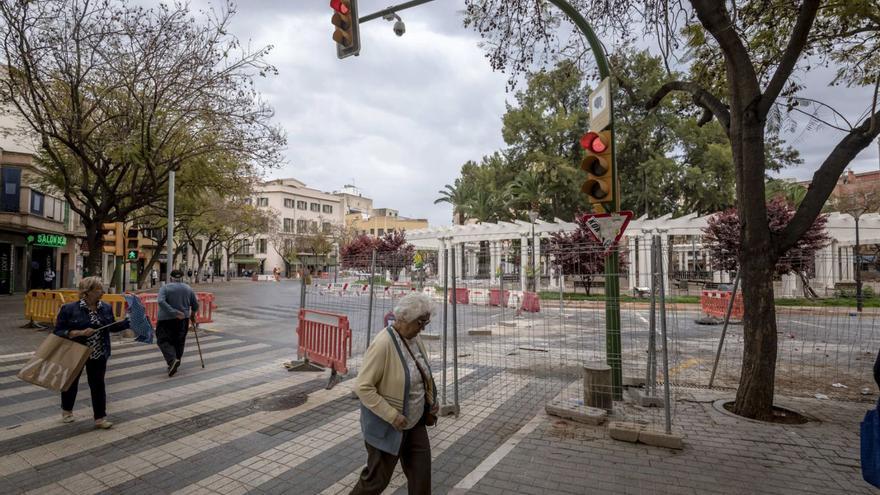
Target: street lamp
(856, 214)
(533, 215)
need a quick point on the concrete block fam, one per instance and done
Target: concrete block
(576, 411)
(642, 398)
(625, 432)
(479, 332)
(661, 439)
(633, 381)
(429, 336)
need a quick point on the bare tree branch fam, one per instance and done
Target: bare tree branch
(704, 99)
(790, 56)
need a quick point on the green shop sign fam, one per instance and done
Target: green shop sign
(47, 240)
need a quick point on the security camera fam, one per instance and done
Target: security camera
(399, 28)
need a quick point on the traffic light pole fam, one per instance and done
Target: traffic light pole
(612, 259)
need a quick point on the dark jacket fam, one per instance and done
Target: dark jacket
(73, 317)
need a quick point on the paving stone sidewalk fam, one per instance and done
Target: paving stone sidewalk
(722, 454)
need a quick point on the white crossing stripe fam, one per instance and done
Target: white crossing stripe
(158, 368)
(449, 429)
(136, 465)
(494, 458)
(177, 392)
(266, 465)
(117, 351)
(151, 352)
(37, 456)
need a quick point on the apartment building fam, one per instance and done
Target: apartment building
(300, 210)
(382, 221)
(38, 229)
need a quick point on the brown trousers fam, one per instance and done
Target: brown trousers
(415, 459)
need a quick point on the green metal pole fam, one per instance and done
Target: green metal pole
(612, 259)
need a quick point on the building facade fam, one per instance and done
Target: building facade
(38, 229)
(300, 211)
(383, 221)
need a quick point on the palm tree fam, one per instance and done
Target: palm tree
(483, 206)
(527, 189)
(458, 195)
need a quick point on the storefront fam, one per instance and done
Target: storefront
(48, 252)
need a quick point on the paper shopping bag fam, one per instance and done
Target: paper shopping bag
(56, 363)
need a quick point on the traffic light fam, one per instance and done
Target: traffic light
(346, 35)
(132, 244)
(599, 166)
(111, 237)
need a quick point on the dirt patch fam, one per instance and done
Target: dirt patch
(781, 416)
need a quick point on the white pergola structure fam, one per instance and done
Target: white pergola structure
(681, 239)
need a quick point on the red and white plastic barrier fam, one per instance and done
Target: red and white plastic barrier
(205, 313)
(714, 303)
(325, 338)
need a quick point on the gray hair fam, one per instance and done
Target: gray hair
(413, 305)
(89, 284)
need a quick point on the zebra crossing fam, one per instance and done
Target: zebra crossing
(220, 430)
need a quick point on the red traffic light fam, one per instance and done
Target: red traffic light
(591, 141)
(340, 7)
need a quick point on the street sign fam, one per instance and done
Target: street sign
(607, 228)
(600, 106)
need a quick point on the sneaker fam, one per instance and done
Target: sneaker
(67, 417)
(103, 424)
(173, 368)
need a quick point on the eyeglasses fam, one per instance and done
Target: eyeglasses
(423, 321)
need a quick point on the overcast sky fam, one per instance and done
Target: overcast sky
(399, 120)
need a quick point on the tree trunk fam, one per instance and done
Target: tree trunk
(93, 263)
(754, 397)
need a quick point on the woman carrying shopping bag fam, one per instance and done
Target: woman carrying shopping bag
(89, 321)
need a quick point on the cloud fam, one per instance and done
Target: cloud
(399, 120)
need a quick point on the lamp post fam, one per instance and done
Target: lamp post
(533, 215)
(857, 213)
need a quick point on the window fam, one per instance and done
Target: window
(372, 232)
(327, 208)
(10, 195)
(261, 246)
(325, 227)
(262, 201)
(288, 203)
(288, 225)
(316, 207)
(381, 231)
(37, 201)
(313, 225)
(248, 201)
(301, 205)
(301, 226)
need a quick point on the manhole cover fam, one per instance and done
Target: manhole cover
(279, 402)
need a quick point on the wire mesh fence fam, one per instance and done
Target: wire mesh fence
(519, 326)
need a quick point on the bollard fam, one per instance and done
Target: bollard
(598, 386)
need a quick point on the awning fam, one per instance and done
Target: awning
(246, 261)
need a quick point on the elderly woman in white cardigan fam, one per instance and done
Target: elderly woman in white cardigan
(398, 399)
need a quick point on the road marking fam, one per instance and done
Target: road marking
(115, 407)
(150, 352)
(159, 366)
(254, 471)
(136, 465)
(685, 365)
(494, 458)
(807, 324)
(43, 454)
(448, 431)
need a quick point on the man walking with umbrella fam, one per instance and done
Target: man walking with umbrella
(177, 307)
